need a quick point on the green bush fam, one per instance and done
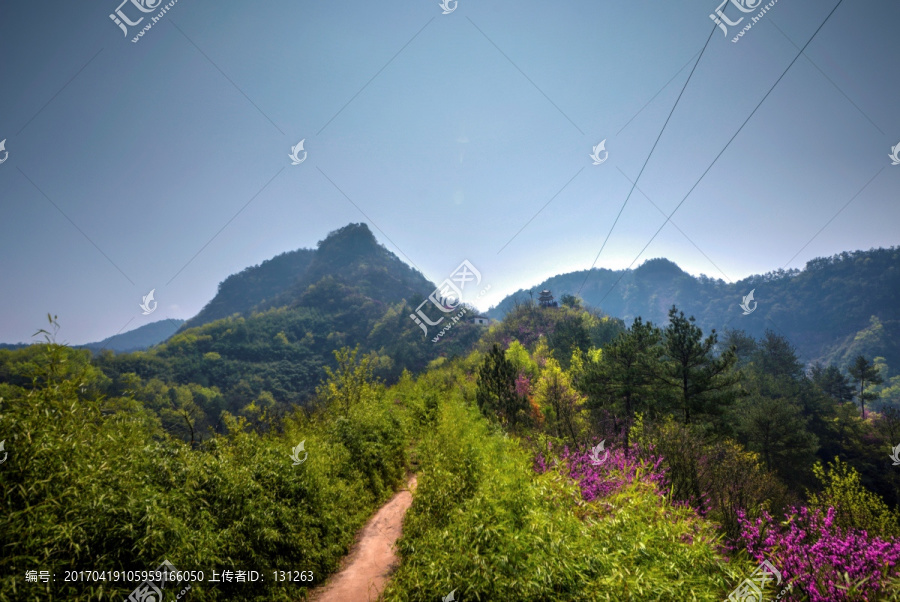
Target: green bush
(97, 484)
(855, 506)
(483, 523)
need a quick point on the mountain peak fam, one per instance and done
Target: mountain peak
(659, 266)
(354, 239)
(350, 260)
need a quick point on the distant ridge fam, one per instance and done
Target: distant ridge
(835, 307)
(138, 339)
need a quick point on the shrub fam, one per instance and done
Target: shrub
(820, 559)
(854, 506)
(483, 523)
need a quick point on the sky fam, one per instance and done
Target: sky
(163, 164)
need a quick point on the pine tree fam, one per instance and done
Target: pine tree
(864, 373)
(625, 379)
(496, 392)
(704, 382)
(832, 382)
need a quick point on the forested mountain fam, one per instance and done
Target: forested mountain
(285, 318)
(573, 457)
(241, 292)
(710, 440)
(349, 257)
(832, 310)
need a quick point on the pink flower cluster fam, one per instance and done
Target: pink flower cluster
(597, 480)
(523, 385)
(813, 553)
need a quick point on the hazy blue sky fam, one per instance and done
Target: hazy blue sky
(445, 133)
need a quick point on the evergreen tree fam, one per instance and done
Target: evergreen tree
(570, 301)
(625, 379)
(864, 373)
(496, 392)
(743, 344)
(570, 334)
(777, 357)
(777, 430)
(704, 382)
(832, 382)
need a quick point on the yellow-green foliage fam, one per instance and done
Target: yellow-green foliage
(560, 402)
(734, 479)
(483, 523)
(855, 506)
(518, 355)
(351, 384)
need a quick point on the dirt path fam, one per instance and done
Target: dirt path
(367, 567)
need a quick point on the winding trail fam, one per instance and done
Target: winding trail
(372, 558)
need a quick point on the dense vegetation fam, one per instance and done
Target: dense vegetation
(97, 483)
(561, 455)
(704, 447)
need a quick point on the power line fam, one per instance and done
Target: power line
(799, 54)
(634, 184)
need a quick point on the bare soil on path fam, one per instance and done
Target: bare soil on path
(372, 558)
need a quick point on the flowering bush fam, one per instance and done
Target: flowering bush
(597, 480)
(523, 385)
(825, 561)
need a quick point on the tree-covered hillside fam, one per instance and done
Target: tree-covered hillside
(350, 291)
(350, 257)
(241, 292)
(823, 309)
